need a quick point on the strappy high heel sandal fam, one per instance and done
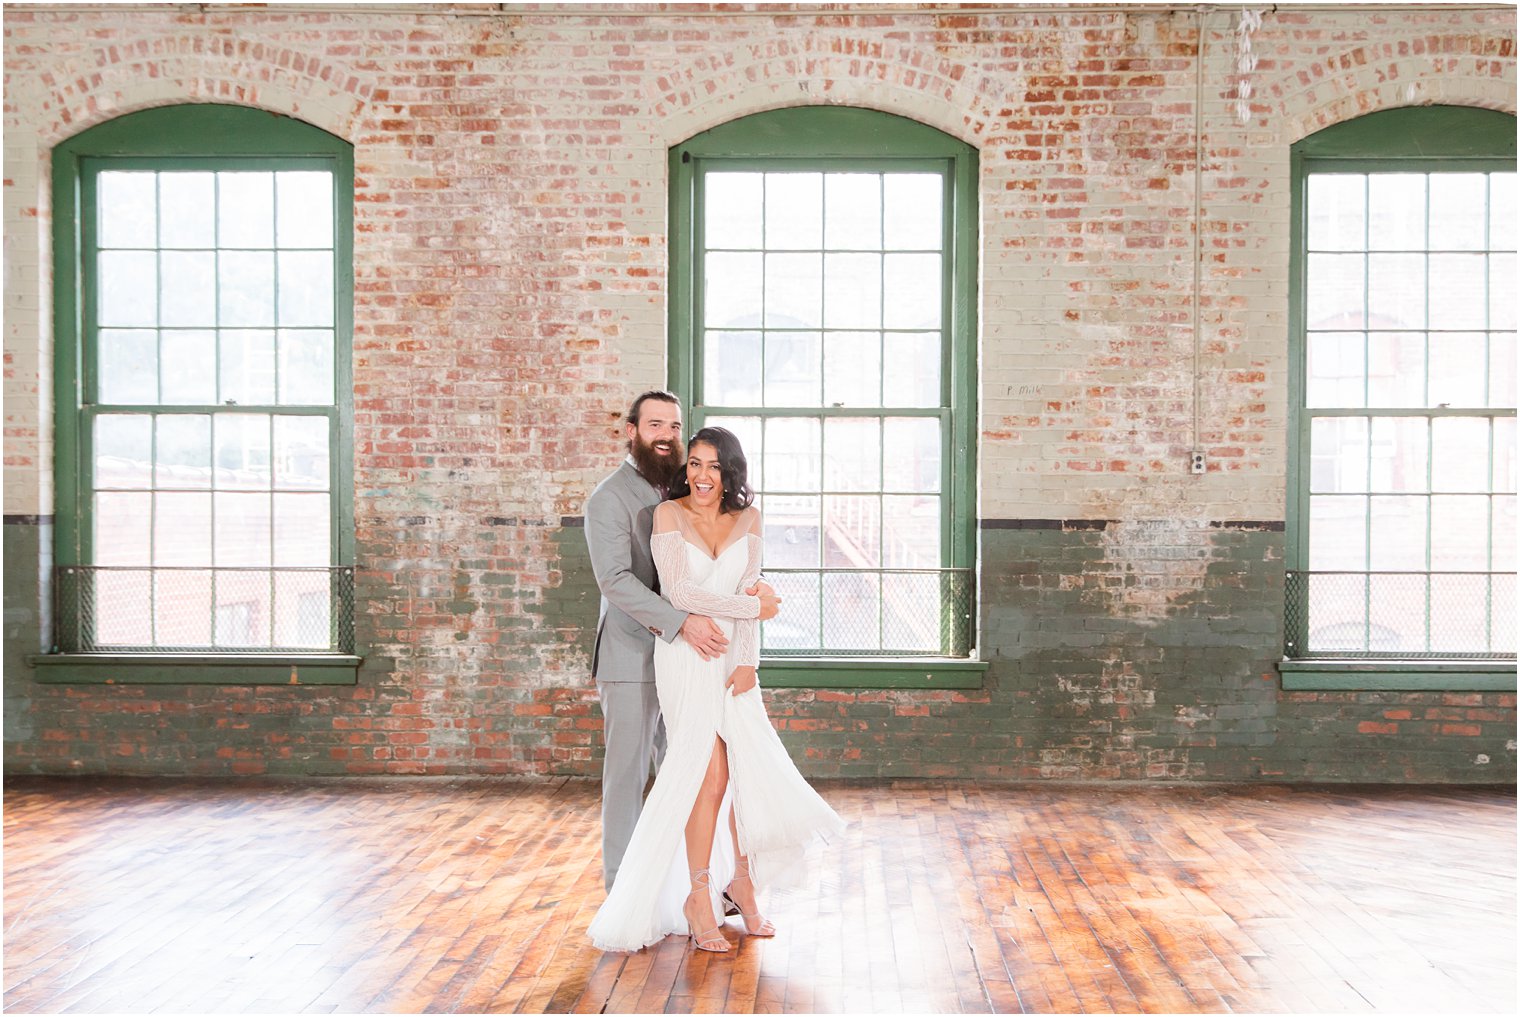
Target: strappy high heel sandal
(755, 923)
(712, 940)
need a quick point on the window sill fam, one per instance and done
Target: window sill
(871, 673)
(196, 668)
(1398, 675)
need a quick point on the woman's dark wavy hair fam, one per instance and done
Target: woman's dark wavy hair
(732, 465)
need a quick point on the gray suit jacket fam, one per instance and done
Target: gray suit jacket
(619, 518)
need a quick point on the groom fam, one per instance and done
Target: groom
(619, 518)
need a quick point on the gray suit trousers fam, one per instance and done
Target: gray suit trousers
(634, 737)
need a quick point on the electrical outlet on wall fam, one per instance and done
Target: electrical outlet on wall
(1196, 462)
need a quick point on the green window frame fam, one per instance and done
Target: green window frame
(785, 173)
(1401, 430)
(234, 202)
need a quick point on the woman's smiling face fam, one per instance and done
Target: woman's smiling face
(705, 475)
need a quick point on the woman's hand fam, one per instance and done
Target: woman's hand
(741, 681)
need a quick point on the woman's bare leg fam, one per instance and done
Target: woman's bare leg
(700, 829)
(742, 889)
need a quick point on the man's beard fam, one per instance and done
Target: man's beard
(658, 469)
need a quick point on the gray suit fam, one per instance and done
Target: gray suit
(619, 518)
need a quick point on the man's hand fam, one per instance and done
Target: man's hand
(761, 587)
(704, 636)
(741, 681)
(769, 602)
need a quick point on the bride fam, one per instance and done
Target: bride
(722, 756)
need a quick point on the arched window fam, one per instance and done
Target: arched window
(823, 309)
(203, 310)
(1402, 477)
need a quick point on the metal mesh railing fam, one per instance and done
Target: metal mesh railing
(860, 612)
(203, 610)
(1400, 615)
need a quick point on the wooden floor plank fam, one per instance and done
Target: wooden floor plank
(473, 895)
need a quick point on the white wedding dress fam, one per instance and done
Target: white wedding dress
(778, 816)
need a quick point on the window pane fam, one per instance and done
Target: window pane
(910, 536)
(123, 523)
(1457, 297)
(306, 288)
(792, 531)
(851, 454)
(793, 369)
(1458, 621)
(1504, 454)
(1503, 524)
(128, 366)
(1501, 291)
(242, 452)
(852, 290)
(242, 609)
(911, 363)
(914, 216)
(189, 288)
(182, 614)
(1337, 212)
(301, 524)
(127, 289)
(1400, 454)
(796, 625)
(247, 366)
(1399, 533)
(1337, 534)
(245, 206)
(242, 529)
(1501, 212)
(1398, 212)
(303, 609)
(852, 531)
(1338, 454)
(852, 211)
(793, 454)
(732, 289)
(189, 369)
(1459, 454)
(1458, 363)
(245, 288)
(1398, 605)
(733, 209)
(187, 210)
(306, 367)
(1459, 533)
(123, 449)
(852, 612)
(300, 453)
(793, 211)
(912, 461)
(127, 207)
(1335, 291)
(793, 290)
(1396, 365)
(1501, 369)
(1336, 368)
(1458, 211)
(912, 291)
(182, 452)
(911, 607)
(731, 369)
(852, 368)
(304, 212)
(1396, 291)
(1338, 605)
(1502, 636)
(182, 529)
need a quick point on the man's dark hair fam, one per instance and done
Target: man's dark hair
(657, 394)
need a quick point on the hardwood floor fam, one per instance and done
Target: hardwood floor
(473, 895)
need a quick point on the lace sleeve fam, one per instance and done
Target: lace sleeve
(746, 642)
(669, 548)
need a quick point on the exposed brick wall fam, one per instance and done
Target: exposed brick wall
(510, 202)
